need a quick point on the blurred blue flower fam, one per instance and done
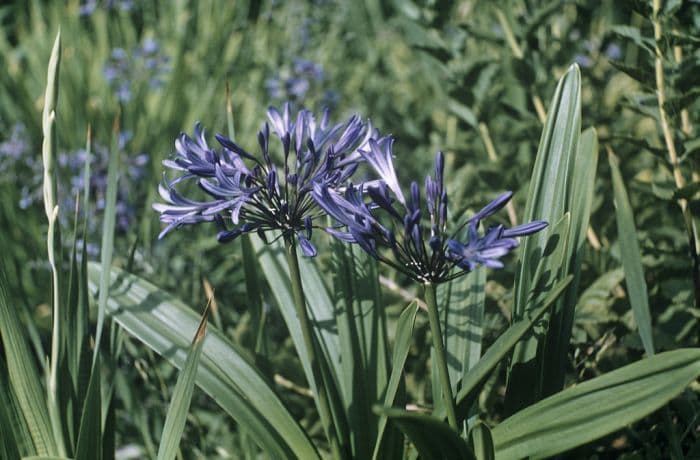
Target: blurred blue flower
(132, 172)
(423, 251)
(16, 146)
(613, 51)
(144, 63)
(253, 193)
(88, 7)
(294, 83)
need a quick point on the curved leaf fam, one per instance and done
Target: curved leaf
(433, 438)
(225, 372)
(595, 408)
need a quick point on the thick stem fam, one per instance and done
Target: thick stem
(440, 355)
(310, 344)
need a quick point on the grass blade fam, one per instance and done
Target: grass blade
(595, 408)
(107, 246)
(631, 257)
(89, 446)
(182, 396)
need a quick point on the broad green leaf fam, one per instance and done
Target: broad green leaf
(597, 407)
(9, 446)
(433, 438)
(89, 446)
(18, 435)
(482, 442)
(631, 258)
(361, 327)
(402, 344)
(548, 197)
(225, 372)
(274, 266)
(561, 322)
(501, 347)
(23, 375)
(462, 309)
(182, 396)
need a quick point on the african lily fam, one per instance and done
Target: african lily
(254, 194)
(424, 251)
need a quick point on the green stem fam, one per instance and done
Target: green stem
(310, 344)
(440, 355)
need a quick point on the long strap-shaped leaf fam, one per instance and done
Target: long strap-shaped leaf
(595, 408)
(361, 327)
(23, 375)
(320, 306)
(182, 396)
(548, 196)
(225, 372)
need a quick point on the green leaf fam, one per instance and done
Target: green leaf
(89, 446)
(433, 438)
(548, 197)
(361, 326)
(225, 372)
(23, 375)
(182, 396)
(463, 112)
(634, 34)
(501, 347)
(462, 309)
(274, 266)
(402, 344)
(561, 323)
(631, 258)
(482, 442)
(9, 447)
(595, 408)
(108, 224)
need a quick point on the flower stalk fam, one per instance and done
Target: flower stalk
(310, 344)
(440, 355)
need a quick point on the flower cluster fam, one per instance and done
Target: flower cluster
(143, 63)
(425, 252)
(252, 193)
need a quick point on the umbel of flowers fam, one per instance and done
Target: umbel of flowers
(253, 193)
(421, 247)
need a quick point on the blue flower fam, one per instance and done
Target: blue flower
(253, 193)
(424, 251)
